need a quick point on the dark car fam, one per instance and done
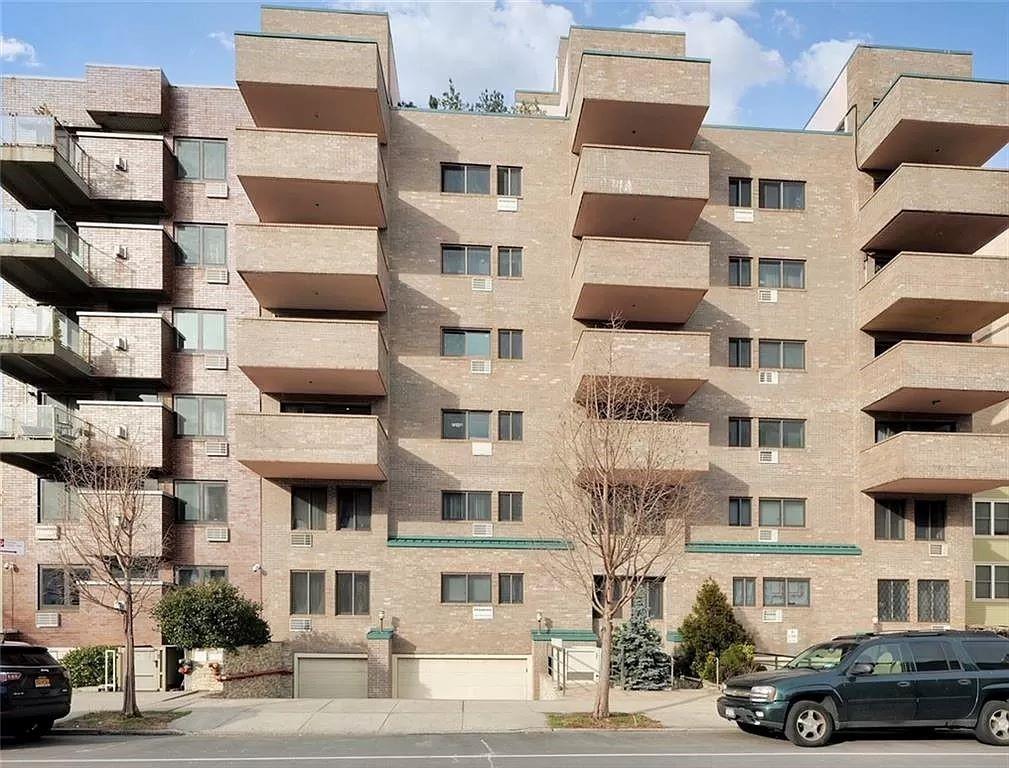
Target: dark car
(947, 679)
(34, 690)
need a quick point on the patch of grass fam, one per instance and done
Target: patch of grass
(114, 722)
(615, 721)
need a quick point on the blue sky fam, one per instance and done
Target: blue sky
(771, 60)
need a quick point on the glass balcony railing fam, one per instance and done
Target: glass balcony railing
(22, 226)
(38, 322)
(44, 131)
(30, 421)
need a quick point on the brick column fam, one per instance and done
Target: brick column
(379, 663)
(540, 653)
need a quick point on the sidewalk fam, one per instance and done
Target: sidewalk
(674, 709)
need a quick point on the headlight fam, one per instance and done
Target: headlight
(763, 693)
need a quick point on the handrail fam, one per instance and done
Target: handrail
(32, 421)
(21, 321)
(46, 131)
(26, 226)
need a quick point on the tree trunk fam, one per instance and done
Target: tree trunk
(602, 707)
(129, 676)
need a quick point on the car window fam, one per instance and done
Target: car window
(26, 657)
(930, 656)
(988, 654)
(886, 659)
(825, 656)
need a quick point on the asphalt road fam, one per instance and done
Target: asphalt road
(683, 749)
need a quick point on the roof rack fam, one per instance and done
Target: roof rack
(916, 633)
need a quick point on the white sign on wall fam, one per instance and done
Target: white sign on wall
(483, 612)
(11, 547)
(792, 636)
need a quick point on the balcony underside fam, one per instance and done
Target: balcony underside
(923, 141)
(936, 463)
(920, 315)
(301, 290)
(630, 123)
(40, 178)
(673, 390)
(636, 216)
(637, 303)
(316, 381)
(43, 272)
(938, 486)
(937, 400)
(314, 107)
(308, 201)
(935, 231)
(43, 363)
(313, 470)
(43, 457)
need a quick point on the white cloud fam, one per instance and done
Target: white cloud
(818, 66)
(18, 51)
(738, 61)
(716, 7)
(785, 23)
(226, 39)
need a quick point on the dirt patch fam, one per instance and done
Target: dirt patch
(616, 721)
(114, 722)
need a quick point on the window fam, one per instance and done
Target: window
(781, 433)
(744, 591)
(739, 432)
(465, 259)
(352, 593)
(308, 590)
(509, 262)
(781, 273)
(201, 245)
(933, 600)
(56, 501)
(192, 575)
(893, 599)
(789, 195)
(509, 506)
(465, 179)
(929, 520)
(201, 159)
(509, 181)
(740, 511)
(509, 345)
(791, 592)
(465, 588)
(509, 588)
(459, 343)
(933, 656)
(651, 592)
(199, 330)
(465, 425)
(465, 505)
(740, 192)
(354, 508)
(782, 354)
(740, 268)
(991, 582)
(991, 518)
(890, 520)
(990, 653)
(739, 353)
(58, 586)
(201, 501)
(886, 658)
(509, 425)
(199, 415)
(783, 513)
(308, 508)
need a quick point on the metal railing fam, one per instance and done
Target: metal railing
(45, 131)
(24, 226)
(40, 322)
(31, 421)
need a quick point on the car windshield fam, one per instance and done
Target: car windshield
(823, 656)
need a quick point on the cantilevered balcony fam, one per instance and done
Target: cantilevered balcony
(312, 447)
(131, 173)
(146, 427)
(923, 119)
(935, 293)
(314, 83)
(39, 437)
(935, 462)
(935, 208)
(936, 377)
(313, 267)
(312, 177)
(127, 98)
(639, 193)
(639, 99)
(298, 356)
(42, 165)
(673, 363)
(652, 450)
(639, 280)
(129, 262)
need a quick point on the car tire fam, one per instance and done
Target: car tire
(750, 728)
(809, 724)
(993, 724)
(33, 730)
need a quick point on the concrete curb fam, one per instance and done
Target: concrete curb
(105, 732)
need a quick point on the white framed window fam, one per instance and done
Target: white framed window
(192, 575)
(201, 501)
(465, 505)
(200, 330)
(308, 592)
(201, 245)
(991, 581)
(991, 517)
(465, 178)
(199, 415)
(201, 159)
(466, 588)
(465, 259)
(460, 342)
(509, 181)
(465, 425)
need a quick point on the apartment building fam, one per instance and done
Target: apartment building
(344, 332)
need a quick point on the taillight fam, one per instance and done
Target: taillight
(9, 677)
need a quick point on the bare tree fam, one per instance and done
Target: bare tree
(621, 490)
(112, 543)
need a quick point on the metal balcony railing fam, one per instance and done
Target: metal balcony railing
(45, 131)
(23, 226)
(39, 322)
(30, 421)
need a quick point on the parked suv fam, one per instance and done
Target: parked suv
(948, 679)
(34, 690)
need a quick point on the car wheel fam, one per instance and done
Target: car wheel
(993, 724)
(750, 728)
(45, 726)
(809, 724)
(33, 730)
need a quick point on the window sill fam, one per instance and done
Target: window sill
(781, 210)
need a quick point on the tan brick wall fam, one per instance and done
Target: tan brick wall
(146, 351)
(144, 180)
(149, 255)
(125, 90)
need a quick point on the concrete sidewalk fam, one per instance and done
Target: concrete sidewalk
(674, 709)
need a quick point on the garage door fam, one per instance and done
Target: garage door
(453, 677)
(331, 677)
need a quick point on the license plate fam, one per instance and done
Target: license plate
(730, 713)
(42, 682)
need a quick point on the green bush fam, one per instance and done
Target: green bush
(711, 627)
(638, 659)
(86, 665)
(211, 615)
(737, 659)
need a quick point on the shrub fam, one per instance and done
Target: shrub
(211, 615)
(637, 656)
(86, 665)
(737, 659)
(711, 627)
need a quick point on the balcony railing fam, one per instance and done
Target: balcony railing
(23, 226)
(30, 421)
(42, 131)
(38, 322)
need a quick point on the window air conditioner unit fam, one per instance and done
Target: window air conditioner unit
(122, 432)
(765, 456)
(767, 534)
(121, 164)
(300, 625)
(218, 535)
(47, 533)
(483, 530)
(937, 549)
(216, 189)
(215, 362)
(940, 627)
(482, 284)
(767, 295)
(483, 448)
(122, 252)
(771, 615)
(217, 276)
(508, 204)
(122, 344)
(299, 539)
(216, 448)
(767, 377)
(479, 366)
(47, 619)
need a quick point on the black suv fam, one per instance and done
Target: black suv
(34, 690)
(948, 679)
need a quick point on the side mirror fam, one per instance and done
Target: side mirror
(861, 668)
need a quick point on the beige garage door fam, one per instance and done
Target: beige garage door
(447, 677)
(332, 677)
